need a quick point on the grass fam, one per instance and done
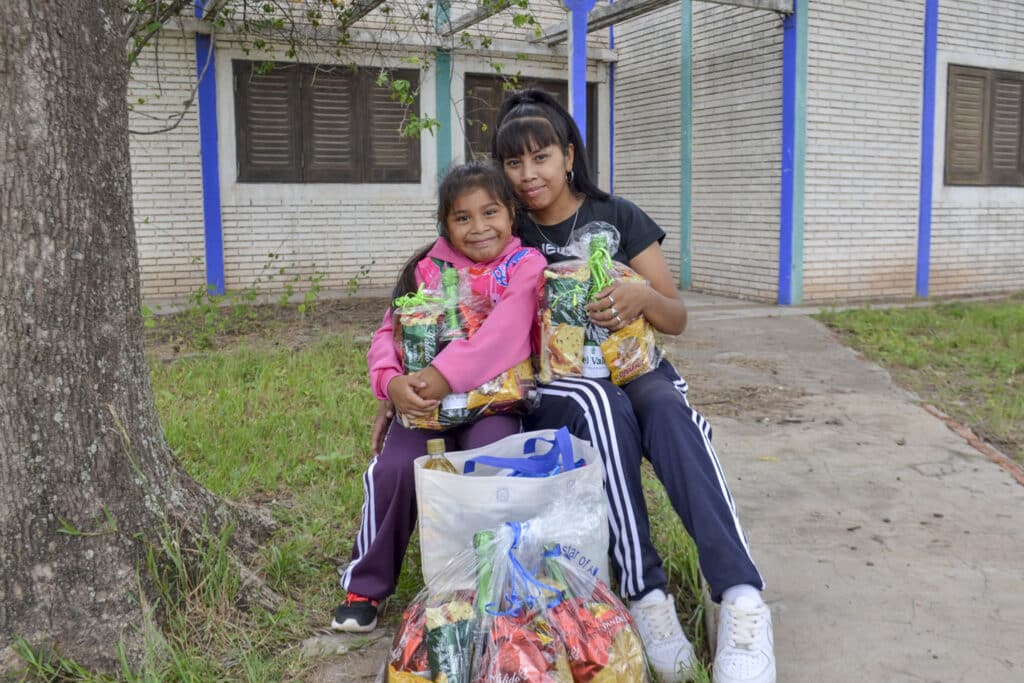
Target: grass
(967, 359)
(288, 428)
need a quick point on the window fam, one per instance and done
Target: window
(984, 124)
(300, 123)
(484, 94)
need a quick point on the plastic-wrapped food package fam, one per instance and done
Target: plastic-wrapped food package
(532, 616)
(428, 320)
(570, 344)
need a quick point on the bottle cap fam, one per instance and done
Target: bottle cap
(435, 446)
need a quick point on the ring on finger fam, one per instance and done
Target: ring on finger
(611, 299)
(615, 314)
(618, 318)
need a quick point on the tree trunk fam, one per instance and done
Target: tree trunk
(86, 476)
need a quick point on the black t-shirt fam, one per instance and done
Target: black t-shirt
(637, 230)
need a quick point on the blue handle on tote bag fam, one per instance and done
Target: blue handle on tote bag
(557, 459)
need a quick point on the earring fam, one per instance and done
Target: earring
(570, 176)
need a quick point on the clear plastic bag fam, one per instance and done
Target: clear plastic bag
(533, 616)
(431, 318)
(570, 344)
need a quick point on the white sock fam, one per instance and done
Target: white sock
(731, 594)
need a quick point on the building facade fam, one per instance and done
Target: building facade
(815, 151)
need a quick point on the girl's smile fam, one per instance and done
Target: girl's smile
(479, 226)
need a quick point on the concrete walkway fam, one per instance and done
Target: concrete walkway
(893, 550)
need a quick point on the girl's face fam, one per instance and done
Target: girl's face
(479, 226)
(539, 181)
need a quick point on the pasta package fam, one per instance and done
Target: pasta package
(631, 351)
(511, 391)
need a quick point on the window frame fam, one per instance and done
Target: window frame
(299, 168)
(986, 173)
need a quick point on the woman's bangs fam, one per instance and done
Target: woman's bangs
(523, 135)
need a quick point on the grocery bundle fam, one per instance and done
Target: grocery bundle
(570, 344)
(531, 615)
(426, 321)
(548, 476)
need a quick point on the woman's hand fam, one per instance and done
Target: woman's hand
(381, 423)
(403, 390)
(619, 303)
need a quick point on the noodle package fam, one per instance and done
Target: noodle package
(570, 344)
(431, 318)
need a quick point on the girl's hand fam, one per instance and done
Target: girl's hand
(381, 423)
(403, 390)
(433, 385)
(619, 303)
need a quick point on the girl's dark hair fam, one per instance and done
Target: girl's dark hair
(460, 179)
(532, 119)
(407, 277)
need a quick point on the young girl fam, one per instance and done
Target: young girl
(475, 215)
(539, 146)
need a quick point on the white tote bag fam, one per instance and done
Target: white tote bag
(507, 481)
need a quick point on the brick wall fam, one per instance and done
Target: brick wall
(737, 141)
(647, 120)
(977, 233)
(863, 147)
(166, 180)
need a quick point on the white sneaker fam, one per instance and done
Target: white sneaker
(746, 650)
(668, 651)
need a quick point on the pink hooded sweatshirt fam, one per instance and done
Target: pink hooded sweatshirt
(501, 342)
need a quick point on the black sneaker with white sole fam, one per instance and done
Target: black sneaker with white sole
(356, 615)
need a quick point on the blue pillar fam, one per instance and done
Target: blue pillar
(209, 158)
(579, 11)
(794, 144)
(924, 209)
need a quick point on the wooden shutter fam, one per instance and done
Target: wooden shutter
(267, 123)
(330, 145)
(483, 97)
(966, 125)
(390, 157)
(1006, 153)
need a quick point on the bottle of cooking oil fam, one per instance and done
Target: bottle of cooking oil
(437, 459)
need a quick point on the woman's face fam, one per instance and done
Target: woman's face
(479, 226)
(539, 181)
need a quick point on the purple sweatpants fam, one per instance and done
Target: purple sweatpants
(389, 500)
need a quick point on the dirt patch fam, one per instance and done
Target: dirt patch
(261, 326)
(761, 403)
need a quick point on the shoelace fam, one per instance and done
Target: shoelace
(352, 598)
(745, 625)
(660, 619)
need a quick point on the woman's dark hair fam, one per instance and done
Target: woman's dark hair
(532, 119)
(482, 175)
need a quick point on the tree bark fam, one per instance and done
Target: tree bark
(86, 476)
